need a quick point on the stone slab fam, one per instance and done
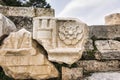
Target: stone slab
(99, 66)
(104, 31)
(108, 49)
(26, 11)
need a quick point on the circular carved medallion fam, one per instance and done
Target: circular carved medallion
(70, 35)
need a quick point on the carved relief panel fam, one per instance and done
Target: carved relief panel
(22, 58)
(70, 34)
(63, 39)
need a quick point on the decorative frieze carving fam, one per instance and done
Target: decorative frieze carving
(63, 39)
(21, 58)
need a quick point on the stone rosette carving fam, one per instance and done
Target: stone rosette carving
(63, 38)
(69, 34)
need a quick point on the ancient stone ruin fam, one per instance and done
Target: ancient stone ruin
(63, 39)
(34, 44)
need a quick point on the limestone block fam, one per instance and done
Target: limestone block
(104, 76)
(99, 66)
(26, 11)
(72, 73)
(63, 39)
(112, 19)
(6, 26)
(44, 12)
(21, 11)
(21, 58)
(104, 31)
(109, 49)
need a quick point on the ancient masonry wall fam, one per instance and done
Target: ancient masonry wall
(101, 55)
(22, 16)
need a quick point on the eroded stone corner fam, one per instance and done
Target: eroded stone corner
(6, 26)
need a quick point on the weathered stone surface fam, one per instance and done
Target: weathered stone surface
(89, 45)
(26, 11)
(22, 22)
(64, 39)
(104, 76)
(104, 31)
(44, 12)
(112, 19)
(21, 58)
(72, 73)
(109, 49)
(6, 26)
(23, 16)
(89, 51)
(98, 66)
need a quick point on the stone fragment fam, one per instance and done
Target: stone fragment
(112, 19)
(63, 39)
(22, 58)
(6, 26)
(104, 76)
(72, 73)
(99, 66)
(109, 49)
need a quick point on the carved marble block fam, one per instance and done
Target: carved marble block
(63, 39)
(21, 58)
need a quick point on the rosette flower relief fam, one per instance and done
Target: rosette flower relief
(70, 34)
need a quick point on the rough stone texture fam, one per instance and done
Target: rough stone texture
(104, 76)
(104, 31)
(23, 16)
(109, 49)
(22, 58)
(98, 66)
(6, 26)
(64, 39)
(22, 22)
(26, 11)
(89, 45)
(89, 51)
(72, 73)
(44, 12)
(112, 19)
